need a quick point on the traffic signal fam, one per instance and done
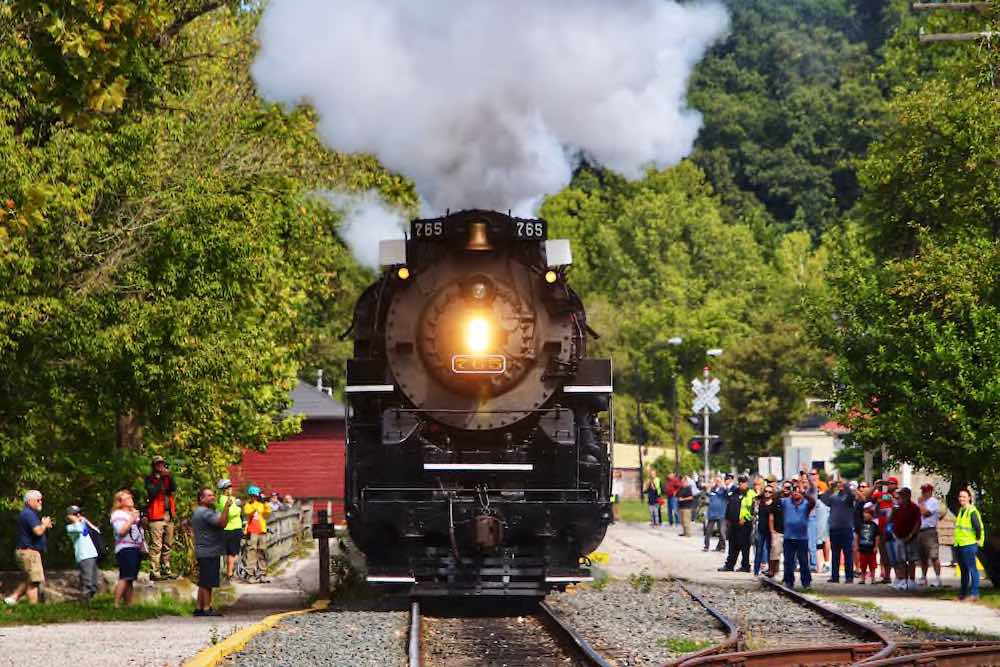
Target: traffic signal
(696, 445)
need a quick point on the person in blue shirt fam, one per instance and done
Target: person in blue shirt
(79, 529)
(795, 514)
(716, 514)
(30, 545)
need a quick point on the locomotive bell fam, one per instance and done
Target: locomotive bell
(477, 237)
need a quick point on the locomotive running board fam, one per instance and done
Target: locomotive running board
(480, 467)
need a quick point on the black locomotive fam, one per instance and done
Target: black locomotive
(477, 459)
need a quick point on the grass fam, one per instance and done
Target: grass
(678, 645)
(101, 608)
(635, 511)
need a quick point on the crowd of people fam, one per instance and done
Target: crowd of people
(852, 531)
(222, 525)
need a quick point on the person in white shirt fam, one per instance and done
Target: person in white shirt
(927, 539)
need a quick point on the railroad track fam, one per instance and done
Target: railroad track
(880, 650)
(870, 641)
(539, 638)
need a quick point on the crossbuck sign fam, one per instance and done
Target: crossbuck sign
(706, 395)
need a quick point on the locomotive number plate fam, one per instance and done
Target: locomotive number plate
(487, 364)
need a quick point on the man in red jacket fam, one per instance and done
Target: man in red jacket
(161, 513)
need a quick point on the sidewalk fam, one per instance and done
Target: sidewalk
(660, 551)
(167, 640)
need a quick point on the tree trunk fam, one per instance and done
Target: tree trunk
(129, 431)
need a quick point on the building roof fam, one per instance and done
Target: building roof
(312, 403)
(811, 423)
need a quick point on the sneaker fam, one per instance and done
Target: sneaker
(211, 612)
(861, 582)
(705, 549)
(725, 569)
(936, 583)
(155, 577)
(10, 599)
(198, 612)
(899, 585)
(910, 585)
(922, 581)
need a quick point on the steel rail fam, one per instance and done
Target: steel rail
(731, 641)
(414, 639)
(839, 617)
(571, 637)
(966, 656)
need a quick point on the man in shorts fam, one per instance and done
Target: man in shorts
(209, 546)
(927, 539)
(234, 527)
(30, 544)
(906, 526)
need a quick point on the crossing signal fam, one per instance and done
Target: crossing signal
(696, 445)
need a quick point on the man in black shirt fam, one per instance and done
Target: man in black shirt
(685, 503)
(735, 534)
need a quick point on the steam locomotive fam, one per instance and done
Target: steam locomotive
(478, 458)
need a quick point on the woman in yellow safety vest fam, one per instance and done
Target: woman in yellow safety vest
(970, 533)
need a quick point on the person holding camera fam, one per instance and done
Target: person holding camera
(233, 531)
(209, 544)
(130, 545)
(161, 514)
(30, 545)
(79, 528)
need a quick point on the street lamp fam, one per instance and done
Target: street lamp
(674, 341)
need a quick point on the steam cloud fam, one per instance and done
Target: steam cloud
(491, 103)
(368, 220)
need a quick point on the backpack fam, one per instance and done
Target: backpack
(99, 544)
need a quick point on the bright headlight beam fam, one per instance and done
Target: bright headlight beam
(478, 334)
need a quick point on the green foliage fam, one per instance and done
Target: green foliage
(165, 268)
(789, 103)
(642, 582)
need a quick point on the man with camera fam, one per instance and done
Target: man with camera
(161, 513)
(31, 529)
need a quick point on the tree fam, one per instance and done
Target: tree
(165, 268)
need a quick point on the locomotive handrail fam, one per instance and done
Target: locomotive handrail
(477, 412)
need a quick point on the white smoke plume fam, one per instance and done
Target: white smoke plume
(491, 103)
(367, 220)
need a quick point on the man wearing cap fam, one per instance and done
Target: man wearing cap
(883, 493)
(30, 544)
(79, 528)
(737, 528)
(161, 512)
(905, 526)
(927, 539)
(233, 531)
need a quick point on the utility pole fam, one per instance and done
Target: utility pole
(707, 444)
(677, 449)
(642, 441)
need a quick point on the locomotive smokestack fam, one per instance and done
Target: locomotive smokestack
(478, 240)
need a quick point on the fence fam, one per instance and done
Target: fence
(286, 528)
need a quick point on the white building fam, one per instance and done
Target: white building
(812, 443)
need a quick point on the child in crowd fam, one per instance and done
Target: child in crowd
(79, 530)
(868, 539)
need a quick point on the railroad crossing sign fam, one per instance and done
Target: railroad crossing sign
(706, 395)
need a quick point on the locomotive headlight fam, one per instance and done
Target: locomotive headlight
(478, 334)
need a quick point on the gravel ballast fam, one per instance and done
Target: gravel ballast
(635, 627)
(369, 634)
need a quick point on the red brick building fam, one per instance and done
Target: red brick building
(308, 465)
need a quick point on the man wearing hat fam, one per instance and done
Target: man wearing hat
(79, 529)
(161, 513)
(927, 538)
(233, 531)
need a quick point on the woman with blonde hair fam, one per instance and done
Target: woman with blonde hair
(129, 545)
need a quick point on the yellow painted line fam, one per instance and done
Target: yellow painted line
(215, 654)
